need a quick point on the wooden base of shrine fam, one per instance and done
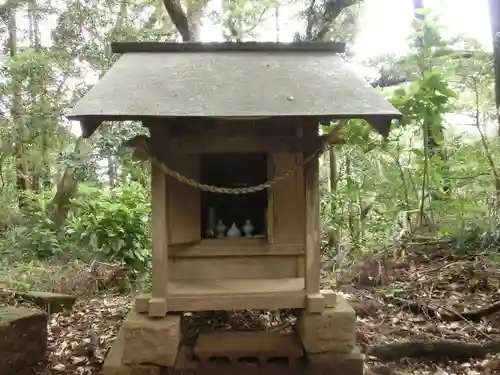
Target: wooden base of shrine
(231, 294)
(260, 346)
(323, 343)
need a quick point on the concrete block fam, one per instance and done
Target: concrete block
(113, 364)
(332, 331)
(334, 363)
(151, 340)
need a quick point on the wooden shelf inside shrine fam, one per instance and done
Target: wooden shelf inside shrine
(234, 247)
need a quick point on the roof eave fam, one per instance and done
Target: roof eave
(380, 122)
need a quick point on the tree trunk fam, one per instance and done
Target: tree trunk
(68, 184)
(317, 28)
(188, 23)
(352, 213)
(179, 18)
(112, 171)
(277, 22)
(41, 168)
(433, 133)
(195, 11)
(333, 236)
(66, 188)
(232, 23)
(22, 182)
(495, 37)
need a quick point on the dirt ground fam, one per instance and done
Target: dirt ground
(422, 315)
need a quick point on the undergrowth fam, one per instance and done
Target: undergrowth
(104, 244)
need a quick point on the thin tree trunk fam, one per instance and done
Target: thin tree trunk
(317, 28)
(67, 187)
(351, 219)
(433, 132)
(277, 22)
(194, 14)
(68, 184)
(333, 236)
(495, 37)
(16, 114)
(41, 169)
(112, 172)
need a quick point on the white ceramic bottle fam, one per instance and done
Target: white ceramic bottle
(233, 231)
(248, 228)
(220, 228)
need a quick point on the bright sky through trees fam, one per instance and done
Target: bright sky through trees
(385, 24)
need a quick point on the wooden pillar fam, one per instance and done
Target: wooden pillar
(270, 199)
(314, 299)
(158, 302)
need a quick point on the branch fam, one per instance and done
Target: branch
(232, 29)
(259, 20)
(179, 18)
(449, 350)
(332, 10)
(451, 316)
(310, 20)
(153, 18)
(384, 81)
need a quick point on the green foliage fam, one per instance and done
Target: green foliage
(424, 100)
(115, 223)
(106, 225)
(379, 180)
(107, 219)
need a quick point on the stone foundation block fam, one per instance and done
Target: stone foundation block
(332, 331)
(113, 364)
(335, 363)
(151, 340)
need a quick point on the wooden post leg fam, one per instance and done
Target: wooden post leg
(158, 302)
(314, 299)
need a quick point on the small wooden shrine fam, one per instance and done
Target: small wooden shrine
(232, 116)
(234, 146)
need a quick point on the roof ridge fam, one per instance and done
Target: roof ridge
(168, 47)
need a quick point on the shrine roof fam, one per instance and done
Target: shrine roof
(231, 80)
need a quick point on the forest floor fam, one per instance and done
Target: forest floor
(422, 314)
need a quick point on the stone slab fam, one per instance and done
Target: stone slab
(332, 331)
(23, 340)
(50, 302)
(333, 363)
(113, 364)
(151, 340)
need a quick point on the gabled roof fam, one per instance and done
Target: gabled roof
(221, 80)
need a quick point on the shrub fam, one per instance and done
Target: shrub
(115, 223)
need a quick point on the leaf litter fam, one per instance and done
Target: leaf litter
(433, 305)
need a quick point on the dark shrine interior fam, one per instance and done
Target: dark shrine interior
(234, 170)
